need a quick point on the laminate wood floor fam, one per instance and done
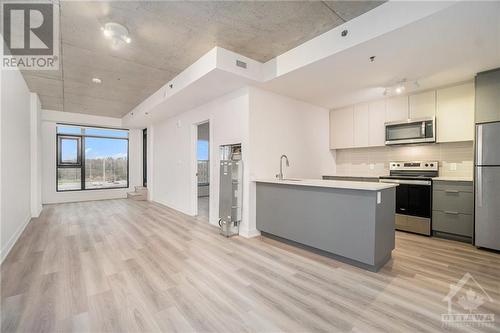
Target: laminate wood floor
(133, 266)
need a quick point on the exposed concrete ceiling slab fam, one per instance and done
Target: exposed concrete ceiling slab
(449, 46)
(347, 10)
(167, 37)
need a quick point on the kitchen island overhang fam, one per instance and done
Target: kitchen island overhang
(352, 222)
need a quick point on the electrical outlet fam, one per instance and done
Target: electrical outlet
(453, 166)
(372, 166)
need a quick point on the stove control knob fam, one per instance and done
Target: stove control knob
(432, 164)
(427, 164)
(398, 164)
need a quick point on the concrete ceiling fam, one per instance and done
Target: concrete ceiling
(447, 47)
(168, 36)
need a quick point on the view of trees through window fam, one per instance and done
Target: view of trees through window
(102, 158)
(203, 167)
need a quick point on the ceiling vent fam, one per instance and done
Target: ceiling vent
(241, 64)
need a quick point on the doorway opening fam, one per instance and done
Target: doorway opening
(203, 170)
(145, 157)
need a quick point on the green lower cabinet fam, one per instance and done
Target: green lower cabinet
(453, 209)
(453, 223)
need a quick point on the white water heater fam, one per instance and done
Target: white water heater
(230, 189)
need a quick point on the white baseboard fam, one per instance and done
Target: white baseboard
(37, 211)
(172, 207)
(250, 233)
(10, 244)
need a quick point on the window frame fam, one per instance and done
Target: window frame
(78, 139)
(81, 155)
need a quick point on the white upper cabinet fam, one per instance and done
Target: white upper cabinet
(455, 113)
(377, 119)
(423, 105)
(396, 108)
(361, 125)
(342, 128)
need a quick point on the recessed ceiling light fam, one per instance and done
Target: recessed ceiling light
(96, 80)
(117, 33)
(398, 88)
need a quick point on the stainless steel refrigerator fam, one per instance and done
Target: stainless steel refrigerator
(487, 186)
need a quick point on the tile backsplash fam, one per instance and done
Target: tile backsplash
(455, 159)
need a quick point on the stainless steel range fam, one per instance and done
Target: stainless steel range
(413, 195)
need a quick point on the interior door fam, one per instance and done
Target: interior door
(487, 208)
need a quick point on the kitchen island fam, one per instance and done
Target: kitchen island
(350, 221)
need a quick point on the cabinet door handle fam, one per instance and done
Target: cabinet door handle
(450, 212)
(451, 191)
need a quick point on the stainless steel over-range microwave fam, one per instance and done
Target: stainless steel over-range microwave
(410, 131)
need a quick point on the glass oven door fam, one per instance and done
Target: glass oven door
(419, 200)
(402, 204)
(413, 197)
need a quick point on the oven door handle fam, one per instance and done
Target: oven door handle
(407, 181)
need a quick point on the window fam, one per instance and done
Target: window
(202, 150)
(203, 167)
(91, 158)
(69, 152)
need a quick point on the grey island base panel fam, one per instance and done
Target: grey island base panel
(345, 224)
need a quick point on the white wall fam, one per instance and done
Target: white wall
(282, 125)
(173, 149)
(49, 193)
(266, 124)
(15, 202)
(36, 154)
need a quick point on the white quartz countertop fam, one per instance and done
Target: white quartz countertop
(344, 184)
(454, 179)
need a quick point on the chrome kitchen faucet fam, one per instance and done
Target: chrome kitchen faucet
(280, 175)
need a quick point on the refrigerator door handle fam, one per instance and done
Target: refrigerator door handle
(479, 174)
(479, 145)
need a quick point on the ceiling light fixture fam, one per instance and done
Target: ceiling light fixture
(96, 80)
(399, 87)
(117, 33)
